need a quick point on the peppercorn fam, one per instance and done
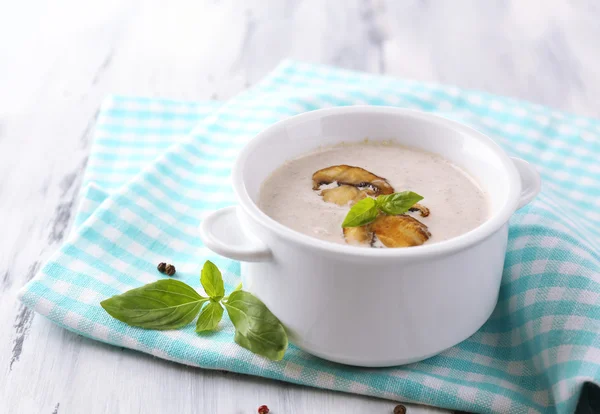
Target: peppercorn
(170, 270)
(399, 409)
(161, 267)
(263, 409)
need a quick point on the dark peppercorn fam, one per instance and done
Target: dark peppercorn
(161, 267)
(263, 409)
(399, 409)
(170, 270)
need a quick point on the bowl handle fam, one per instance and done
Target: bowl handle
(221, 231)
(531, 183)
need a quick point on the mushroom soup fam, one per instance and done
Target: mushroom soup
(385, 195)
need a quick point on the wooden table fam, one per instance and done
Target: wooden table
(58, 61)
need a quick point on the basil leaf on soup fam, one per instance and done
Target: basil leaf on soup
(256, 328)
(397, 203)
(361, 213)
(212, 281)
(166, 304)
(209, 317)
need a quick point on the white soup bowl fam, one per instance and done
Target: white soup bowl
(361, 306)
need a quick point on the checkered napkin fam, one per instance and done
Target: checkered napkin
(539, 347)
(130, 133)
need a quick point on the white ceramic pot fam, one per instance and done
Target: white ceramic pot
(372, 307)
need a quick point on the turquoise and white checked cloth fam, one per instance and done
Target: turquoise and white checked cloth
(130, 134)
(541, 344)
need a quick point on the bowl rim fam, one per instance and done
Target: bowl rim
(460, 242)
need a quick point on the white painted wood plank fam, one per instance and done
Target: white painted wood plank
(58, 60)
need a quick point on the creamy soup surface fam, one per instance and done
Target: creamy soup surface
(456, 202)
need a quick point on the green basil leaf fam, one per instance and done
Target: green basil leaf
(166, 304)
(256, 328)
(212, 281)
(209, 317)
(361, 213)
(397, 203)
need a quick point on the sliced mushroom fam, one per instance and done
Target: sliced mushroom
(359, 235)
(400, 231)
(354, 176)
(343, 195)
(421, 209)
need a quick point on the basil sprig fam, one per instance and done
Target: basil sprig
(172, 304)
(366, 210)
